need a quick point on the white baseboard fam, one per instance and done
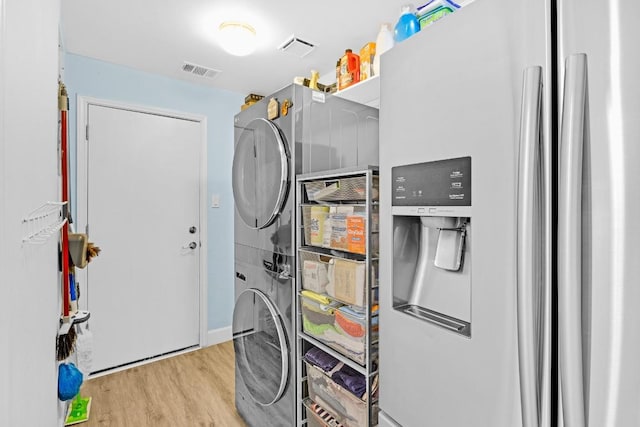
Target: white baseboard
(217, 336)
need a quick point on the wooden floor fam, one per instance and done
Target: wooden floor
(193, 389)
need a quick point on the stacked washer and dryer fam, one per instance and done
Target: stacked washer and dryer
(312, 132)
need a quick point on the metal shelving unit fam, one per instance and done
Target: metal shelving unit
(335, 192)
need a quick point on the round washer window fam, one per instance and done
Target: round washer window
(260, 176)
(260, 344)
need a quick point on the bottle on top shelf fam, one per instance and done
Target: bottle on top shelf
(384, 42)
(407, 24)
(349, 69)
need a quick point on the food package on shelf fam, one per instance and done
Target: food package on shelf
(339, 227)
(356, 237)
(318, 219)
(252, 97)
(367, 54)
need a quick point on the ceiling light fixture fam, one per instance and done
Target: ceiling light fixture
(237, 38)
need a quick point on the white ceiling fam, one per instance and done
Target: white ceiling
(157, 36)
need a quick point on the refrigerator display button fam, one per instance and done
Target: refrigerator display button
(421, 210)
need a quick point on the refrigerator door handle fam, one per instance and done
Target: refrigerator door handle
(529, 246)
(570, 240)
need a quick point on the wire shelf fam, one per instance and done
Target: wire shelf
(43, 222)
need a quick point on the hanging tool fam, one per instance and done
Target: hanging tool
(66, 333)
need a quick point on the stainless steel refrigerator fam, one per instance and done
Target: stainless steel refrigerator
(510, 260)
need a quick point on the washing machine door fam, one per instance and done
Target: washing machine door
(260, 173)
(260, 344)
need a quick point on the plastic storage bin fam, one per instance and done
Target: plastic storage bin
(339, 278)
(338, 326)
(341, 227)
(347, 281)
(343, 189)
(353, 323)
(315, 271)
(318, 313)
(317, 416)
(342, 404)
(434, 10)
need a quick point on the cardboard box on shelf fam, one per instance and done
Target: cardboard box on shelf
(356, 238)
(367, 54)
(252, 97)
(339, 227)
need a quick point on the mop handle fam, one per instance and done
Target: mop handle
(62, 104)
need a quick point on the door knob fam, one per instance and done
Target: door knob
(192, 230)
(190, 245)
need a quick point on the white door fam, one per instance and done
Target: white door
(142, 210)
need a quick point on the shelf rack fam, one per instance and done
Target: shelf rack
(365, 92)
(364, 196)
(45, 221)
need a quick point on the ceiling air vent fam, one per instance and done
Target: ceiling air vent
(199, 70)
(297, 47)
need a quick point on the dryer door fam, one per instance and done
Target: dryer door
(260, 344)
(260, 173)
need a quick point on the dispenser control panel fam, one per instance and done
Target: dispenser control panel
(440, 183)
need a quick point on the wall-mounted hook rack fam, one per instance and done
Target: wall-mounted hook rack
(43, 222)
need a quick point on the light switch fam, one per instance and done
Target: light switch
(215, 200)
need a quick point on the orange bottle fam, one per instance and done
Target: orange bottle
(349, 69)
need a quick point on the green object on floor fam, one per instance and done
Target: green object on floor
(78, 410)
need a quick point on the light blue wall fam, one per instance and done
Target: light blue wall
(89, 77)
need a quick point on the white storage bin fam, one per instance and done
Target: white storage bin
(345, 407)
(318, 321)
(314, 271)
(347, 281)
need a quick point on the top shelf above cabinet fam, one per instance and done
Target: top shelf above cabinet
(366, 92)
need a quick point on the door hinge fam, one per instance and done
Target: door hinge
(86, 133)
(86, 229)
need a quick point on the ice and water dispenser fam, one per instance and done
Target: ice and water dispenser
(431, 208)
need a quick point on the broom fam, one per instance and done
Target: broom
(67, 333)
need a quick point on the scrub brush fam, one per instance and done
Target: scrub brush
(92, 251)
(65, 341)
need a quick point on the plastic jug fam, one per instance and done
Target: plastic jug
(407, 25)
(384, 42)
(349, 69)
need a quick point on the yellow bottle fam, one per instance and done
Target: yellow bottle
(313, 83)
